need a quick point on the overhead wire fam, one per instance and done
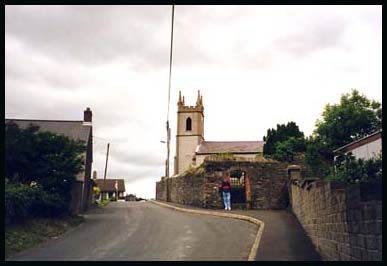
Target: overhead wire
(170, 62)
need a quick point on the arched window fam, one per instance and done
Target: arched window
(188, 124)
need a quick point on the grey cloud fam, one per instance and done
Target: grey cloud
(318, 35)
(92, 34)
(140, 158)
(132, 172)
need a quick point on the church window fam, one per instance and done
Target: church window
(188, 124)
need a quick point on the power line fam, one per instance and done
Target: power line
(170, 63)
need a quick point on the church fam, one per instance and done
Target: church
(257, 183)
(191, 146)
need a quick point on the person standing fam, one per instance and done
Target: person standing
(225, 188)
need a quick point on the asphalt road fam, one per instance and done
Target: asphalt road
(143, 231)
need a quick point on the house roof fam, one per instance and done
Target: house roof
(241, 147)
(76, 130)
(360, 142)
(110, 184)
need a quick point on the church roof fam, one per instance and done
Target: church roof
(213, 147)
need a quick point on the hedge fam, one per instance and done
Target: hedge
(23, 202)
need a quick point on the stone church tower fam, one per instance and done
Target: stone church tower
(190, 132)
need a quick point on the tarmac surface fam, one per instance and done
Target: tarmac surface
(283, 238)
(144, 231)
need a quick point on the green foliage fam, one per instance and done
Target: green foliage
(349, 169)
(355, 117)
(113, 199)
(225, 156)
(24, 201)
(282, 143)
(195, 171)
(48, 161)
(103, 202)
(318, 157)
(20, 237)
(285, 150)
(96, 191)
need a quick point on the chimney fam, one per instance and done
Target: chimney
(87, 115)
(94, 174)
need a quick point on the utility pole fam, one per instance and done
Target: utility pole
(169, 98)
(167, 166)
(104, 176)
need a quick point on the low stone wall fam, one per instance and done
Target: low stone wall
(266, 185)
(161, 190)
(189, 190)
(343, 221)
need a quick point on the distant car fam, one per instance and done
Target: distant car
(130, 197)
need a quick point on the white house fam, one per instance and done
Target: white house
(365, 148)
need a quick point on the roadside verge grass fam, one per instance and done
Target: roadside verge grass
(22, 236)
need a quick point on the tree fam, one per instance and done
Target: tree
(316, 157)
(352, 170)
(49, 160)
(285, 150)
(353, 118)
(283, 142)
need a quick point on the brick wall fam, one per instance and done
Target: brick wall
(343, 221)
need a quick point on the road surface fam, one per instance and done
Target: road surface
(143, 231)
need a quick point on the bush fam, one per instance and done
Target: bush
(194, 171)
(41, 168)
(349, 169)
(113, 199)
(24, 201)
(49, 160)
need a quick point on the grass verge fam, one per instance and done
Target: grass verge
(23, 236)
(102, 203)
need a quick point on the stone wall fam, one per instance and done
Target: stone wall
(343, 221)
(161, 190)
(266, 185)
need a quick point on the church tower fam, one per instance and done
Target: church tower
(190, 132)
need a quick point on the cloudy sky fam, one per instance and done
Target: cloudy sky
(256, 66)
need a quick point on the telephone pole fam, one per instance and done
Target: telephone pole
(104, 176)
(169, 99)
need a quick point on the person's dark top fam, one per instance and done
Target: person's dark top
(226, 186)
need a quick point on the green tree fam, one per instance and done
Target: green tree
(318, 157)
(354, 117)
(349, 169)
(282, 143)
(49, 160)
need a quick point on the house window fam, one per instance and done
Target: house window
(188, 124)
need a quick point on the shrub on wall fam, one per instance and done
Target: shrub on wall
(195, 171)
(349, 169)
(225, 156)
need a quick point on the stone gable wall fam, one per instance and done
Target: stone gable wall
(343, 221)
